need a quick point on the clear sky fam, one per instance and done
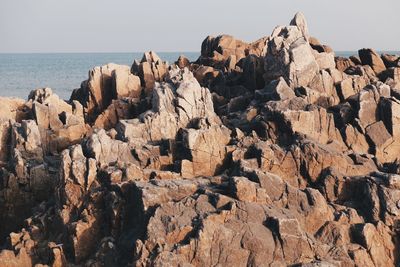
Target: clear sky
(181, 25)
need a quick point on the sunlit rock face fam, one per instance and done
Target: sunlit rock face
(269, 153)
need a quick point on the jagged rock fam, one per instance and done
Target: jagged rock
(26, 138)
(175, 104)
(253, 71)
(355, 140)
(290, 55)
(299, 20)
(325, 60)
(103, 85)
(378, 134)
(182, 62)
(221, 47)
(47, 107)
(106, 150)
(378, 242)
(215, 51)
(206, 148)
(12, 109)
(324, 84)
(316, 124)
(126, 84)
(343, 63)
(60, 124)
(320, 48)
(346, 89)
(391, 61)
(393, 74)
(356, 60)
(151, 69)
(243, 189)
(368, 103)
(4, 140)
(371, 58)
(391, 115)
(276, 90)
(9, 259)
(304, 172)
(118, 109)
(204, 73)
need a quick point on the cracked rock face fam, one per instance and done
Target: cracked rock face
(270, 153)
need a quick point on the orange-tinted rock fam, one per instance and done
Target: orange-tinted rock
(371, 58)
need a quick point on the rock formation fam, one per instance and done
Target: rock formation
(270, 153)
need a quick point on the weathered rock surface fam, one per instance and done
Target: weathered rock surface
(371, 58)
(290, 55)
(271, 153)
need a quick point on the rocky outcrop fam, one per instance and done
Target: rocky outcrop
(272, 153)
(371, 58)
(151, 69)
(218, 51)
(290, 55)
(105, 83)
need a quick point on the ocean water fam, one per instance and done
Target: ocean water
(63, 72)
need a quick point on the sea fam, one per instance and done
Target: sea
(64, 72)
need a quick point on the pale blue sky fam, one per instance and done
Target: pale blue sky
(178, 25)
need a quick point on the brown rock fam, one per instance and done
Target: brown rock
(378, 242)
(391, 60)
(243, 189)
(371, 58)
(378, 134)
(126, 84)
(4, 140)
(12, 109)
(183, 62)
(207, 149)
(343, 64)
(275, 90)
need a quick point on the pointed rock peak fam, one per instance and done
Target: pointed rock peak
(300, 21)
(150, 57)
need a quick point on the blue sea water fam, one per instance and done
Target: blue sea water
(63, 72)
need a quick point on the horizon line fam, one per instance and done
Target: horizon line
(129, 52)
(98, 52)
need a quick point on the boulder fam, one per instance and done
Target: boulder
(371, 58)
(391, 61)
(343, 63)
(216, 51)
(317, 46)
(182, 62)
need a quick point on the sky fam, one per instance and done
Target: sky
(31, 26)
